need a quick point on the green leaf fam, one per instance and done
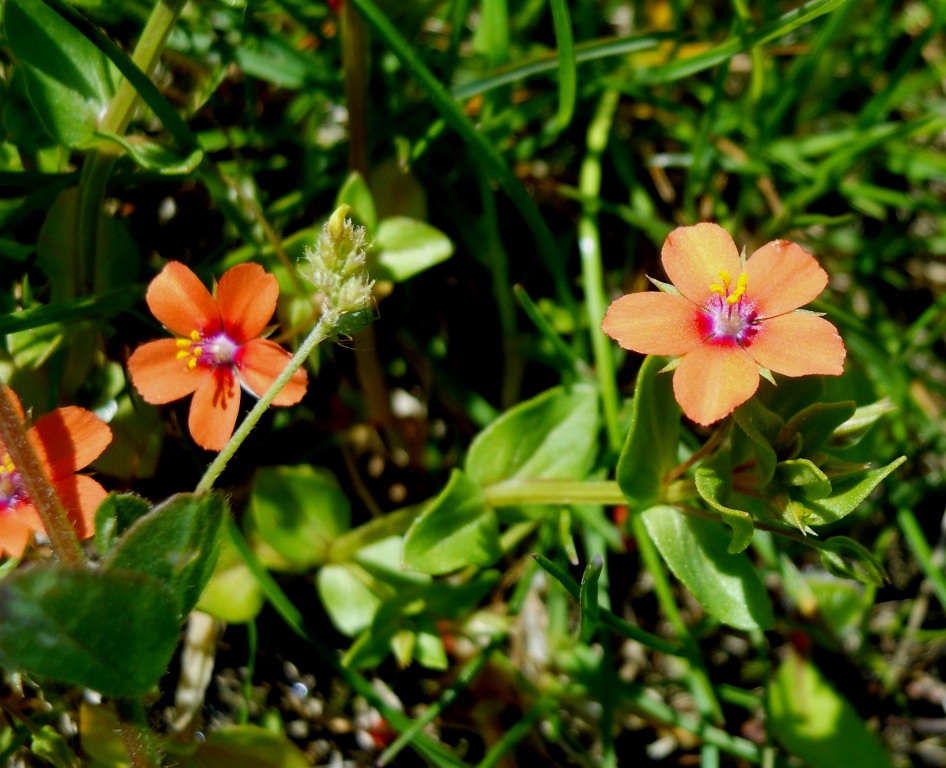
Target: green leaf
(456, 529)
(814, 722)
(299, 511)
(113, 631)
(348, 601)
(726, 585)
(552, 436)
(69, 81)
(803, 474)
(407, 247)
(817, 422)
(847, 559)
(356, 194)
(651, 447)
(588, 599)
(714, 484)
(847, 494)
(176, 543)
(246, 746)
(853, 430)
(114, 516)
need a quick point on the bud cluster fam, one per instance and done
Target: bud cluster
(337, 266)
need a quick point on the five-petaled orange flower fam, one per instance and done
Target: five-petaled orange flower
(729, 319)
(219, 350)
(65, 441)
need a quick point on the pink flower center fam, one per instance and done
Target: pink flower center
(728, 316)
(12, 491)
(211, 351)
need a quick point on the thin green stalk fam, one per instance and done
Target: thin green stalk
(14, 437)
(565, 356)
(589, 245)
(517, 732)
(700, 684)
(98, 164)
(920, 547)
(567, 71)
(511, 493)
(322, 330)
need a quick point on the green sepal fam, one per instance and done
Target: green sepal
(650, 450)
(817, 422)
(762, 427)
(714, 484)
(663, 287)
(805, 476)
(852, 431)
(847, 559)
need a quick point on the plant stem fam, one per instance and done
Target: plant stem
(136, 734)
(41, 493)
(323, 328)
(510, 493)
(98, 164)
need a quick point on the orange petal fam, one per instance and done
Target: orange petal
(247, 297)
(214, 409)
(70, 438)
(159, 376)
(713, 380)
(654, 323)
(16, 528)
(260, 361)
(81, 497)
(181, 302)
(798, 344)
(783, 276)
(694, 256)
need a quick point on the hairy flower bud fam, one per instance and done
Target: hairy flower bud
(337, 266)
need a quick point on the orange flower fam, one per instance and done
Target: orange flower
(218, 351)
(65, 441)
(726, 319)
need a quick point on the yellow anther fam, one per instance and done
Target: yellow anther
(182, 354)
(183, 342)
(192, 364)
(195, 336)
(716, 288)
(740, 289)
(197, 351)
(724, 276)
(7, 464)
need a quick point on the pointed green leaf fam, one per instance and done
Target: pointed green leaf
(154, 156)
(176, 543)
(456, 529)
(847, 559)
(650, 450)
(714, 484)
(853, 430)
(299, 511)
(804, 475)
(848, 494)
(113, 631)
(815, 723)
(588, 599)
(726, 585)
(554, 436)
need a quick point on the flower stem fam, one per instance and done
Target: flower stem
(136, 734)
(37, 484)
(511, 493)
(323, 328)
